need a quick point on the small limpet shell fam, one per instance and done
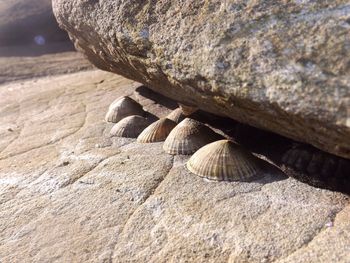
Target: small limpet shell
(129, 127)
(186, 109)
(188, 136)
(176, 115)
(123, 107)
(224, 161)
(157, 131)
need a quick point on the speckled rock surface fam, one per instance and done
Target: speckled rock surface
(22, 20)
(70, 193)
(277, 65)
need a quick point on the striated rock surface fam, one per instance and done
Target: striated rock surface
(277, 65)
(24, 62)
(21, 21)
(70, 193)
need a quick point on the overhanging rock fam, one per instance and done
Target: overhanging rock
(280, 66)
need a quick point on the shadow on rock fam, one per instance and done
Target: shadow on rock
(153, 97)
(300, 161)
(282, 156)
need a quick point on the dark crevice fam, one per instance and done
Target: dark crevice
(298, 160)
(156, 97)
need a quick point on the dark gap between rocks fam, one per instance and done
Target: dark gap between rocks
(298, 160)
(155, 97)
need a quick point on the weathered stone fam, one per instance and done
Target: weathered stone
(21, 21)
(70, 193)
(28, 62)
(277, 65)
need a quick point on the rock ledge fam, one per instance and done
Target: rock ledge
(280, 66)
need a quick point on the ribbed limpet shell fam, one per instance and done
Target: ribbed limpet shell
(224, 161)
(123, 107)
(176, 115)
(157, 131)
(186, 109)
(188, 136)
(129, 127)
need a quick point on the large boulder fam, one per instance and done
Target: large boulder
(277, 65)
(23, 22)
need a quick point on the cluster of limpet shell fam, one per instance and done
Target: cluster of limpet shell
(214, 158)
(130, 127)
(188, 136)
(176, 115)
(157, 131)
(315, 163)
(224, 160)
(123, 107)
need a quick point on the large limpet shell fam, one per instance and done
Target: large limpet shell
(123, 107)
(186, 109)
(176, 115)
(224, 161)
(188, 136)
(129, 127)
(157, 131)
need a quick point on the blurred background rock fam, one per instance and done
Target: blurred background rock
(32, 44)
(25, 22)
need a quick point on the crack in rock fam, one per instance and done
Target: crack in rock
(146, 198)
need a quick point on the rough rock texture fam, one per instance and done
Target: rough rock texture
(70, 193)
(278, 65)
(22, 20)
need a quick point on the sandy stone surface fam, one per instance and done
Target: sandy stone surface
(25, 62)
(70, 193)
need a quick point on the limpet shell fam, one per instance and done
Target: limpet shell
(224, 161)
(129, 127)
(123, 107)
(186, 109)
(157, 131)
(176, 115)
(188, 136)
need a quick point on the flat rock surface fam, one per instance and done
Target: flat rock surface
(70, 193)
(25, 62)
